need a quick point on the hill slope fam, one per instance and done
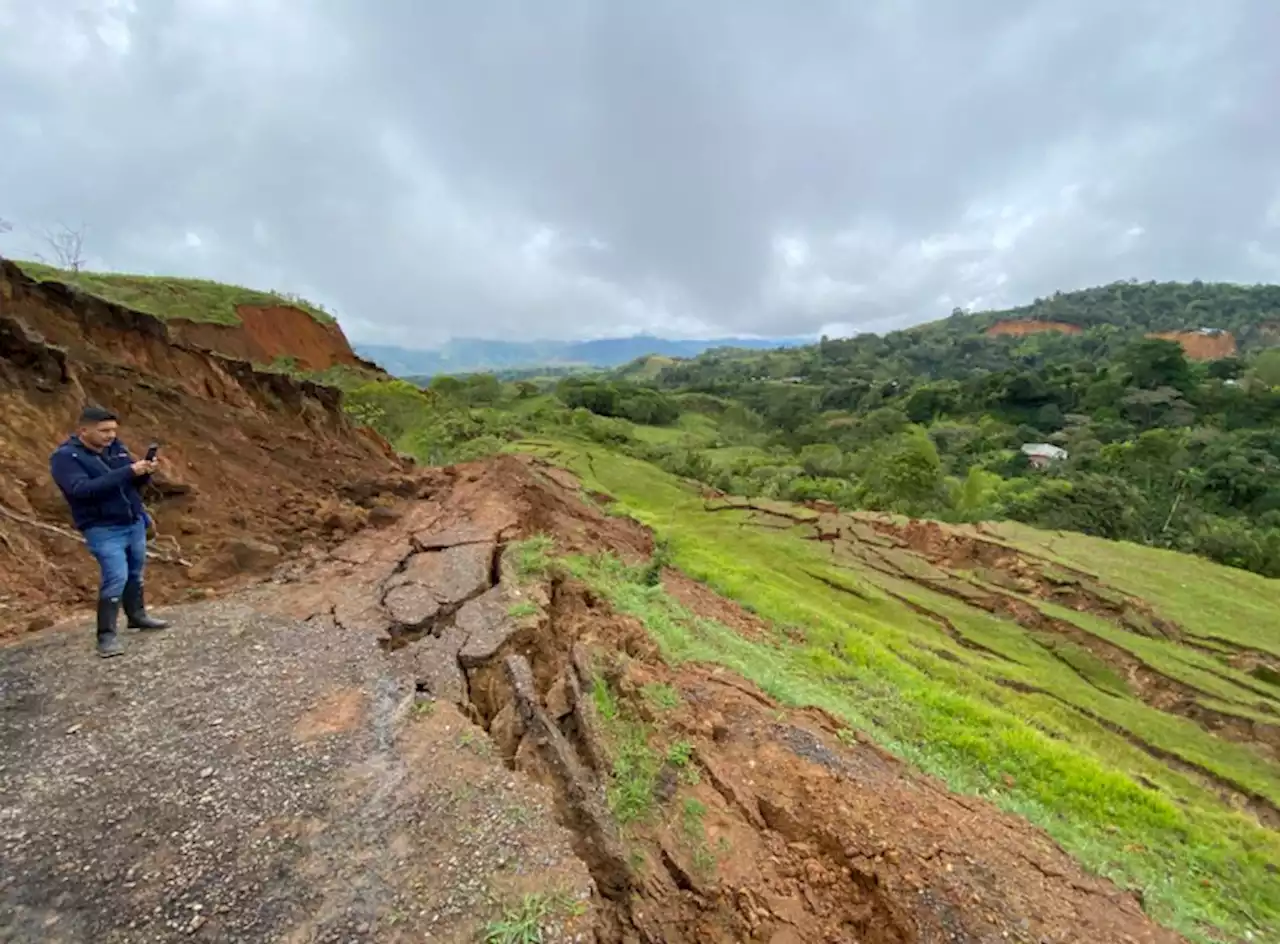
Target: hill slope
(251, 456)
(1125, 699)
(1135, 435)
(701, 700)
(245, 324)
(1250, 312)
(462, 727)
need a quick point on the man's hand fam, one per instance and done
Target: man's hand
(144, 467)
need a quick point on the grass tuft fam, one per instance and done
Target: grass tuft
(531, 558)
(523, 923)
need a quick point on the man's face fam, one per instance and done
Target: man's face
(97, 436)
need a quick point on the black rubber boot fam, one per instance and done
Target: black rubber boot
(108, 642)
(135, 609)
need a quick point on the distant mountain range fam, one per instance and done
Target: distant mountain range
(472, 355)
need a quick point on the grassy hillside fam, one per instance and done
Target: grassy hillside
(1137, 752)
(167, 297)
(1124, 698)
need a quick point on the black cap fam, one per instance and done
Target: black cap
(96, 414)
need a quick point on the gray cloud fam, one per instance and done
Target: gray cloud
(516, 170)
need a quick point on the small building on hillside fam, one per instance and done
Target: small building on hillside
(1041, 454)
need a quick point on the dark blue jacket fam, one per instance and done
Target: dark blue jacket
(100, 487)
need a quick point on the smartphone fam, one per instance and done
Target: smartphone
(151, 451)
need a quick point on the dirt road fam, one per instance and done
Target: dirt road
(251, 778)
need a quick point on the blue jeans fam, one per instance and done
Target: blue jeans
(121, 550)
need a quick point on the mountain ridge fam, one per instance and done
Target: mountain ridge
(474, 355)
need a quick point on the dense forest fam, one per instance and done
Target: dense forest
(1154, 447)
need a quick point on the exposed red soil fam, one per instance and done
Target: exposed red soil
(1202, 347)
(704, 601)
(1030, 326)
(792, 830)
(250, 458)
(267, 333)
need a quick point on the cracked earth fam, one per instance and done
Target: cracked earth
(374, 748)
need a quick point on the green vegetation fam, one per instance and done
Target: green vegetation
(522, 609)
(531, 557)
(523, 923)
(1158, 449)
(661, 695)
(1035, 723)
(636, 763)
(1120, 725)
(166, 297)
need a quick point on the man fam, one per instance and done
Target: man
(100, 481)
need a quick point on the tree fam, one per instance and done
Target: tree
(1163, 406)
(67, 246)
(1104, 506)
(1155, 362)
(821, 460)
(905, 476)
(1267, 367)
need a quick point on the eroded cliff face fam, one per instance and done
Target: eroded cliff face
(1031, 326)
(256, 463)
(1202, 347)
(266, 334)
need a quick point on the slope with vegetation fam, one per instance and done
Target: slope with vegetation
(267, 328)
(1161, 450)
(1123, 700)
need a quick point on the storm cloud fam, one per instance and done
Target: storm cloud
(594, 167)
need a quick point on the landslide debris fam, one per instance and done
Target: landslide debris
(703, 810)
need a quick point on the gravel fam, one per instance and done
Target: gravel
(246, 777)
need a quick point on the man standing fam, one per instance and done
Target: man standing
(100, 481)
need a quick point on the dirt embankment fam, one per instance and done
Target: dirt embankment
(256, 463)
(750, 822)
(265, 335)
(1025, 327)
(1202, 347)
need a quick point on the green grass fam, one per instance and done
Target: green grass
(523, 922)
(1207, 601)
(729, 455)
(166, 297)
(636, 764)
(531, 557)
(922, 690)
(661, 695)
(522, 609)
(692, 431)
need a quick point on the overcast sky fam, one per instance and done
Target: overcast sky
(578, 168)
